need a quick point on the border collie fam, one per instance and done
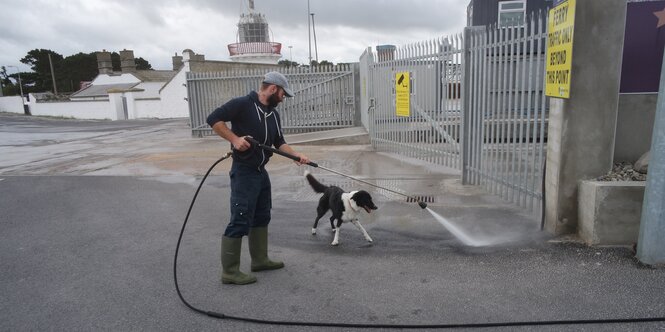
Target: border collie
(344, 206)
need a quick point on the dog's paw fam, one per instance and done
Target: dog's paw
(313, 231)
(369, 239)
(334, 243)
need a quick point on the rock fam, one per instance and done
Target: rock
(622, 171)
(642, 164)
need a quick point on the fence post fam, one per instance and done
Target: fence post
(651, 241)
(465, 137)
(355, 69)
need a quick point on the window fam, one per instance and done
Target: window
(511, 13)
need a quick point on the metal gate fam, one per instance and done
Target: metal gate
(505, 118)
(433, 129)
(477, 105)
(324, 96)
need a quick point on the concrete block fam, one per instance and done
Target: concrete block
(609, 212)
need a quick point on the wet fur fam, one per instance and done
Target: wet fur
(345, 206)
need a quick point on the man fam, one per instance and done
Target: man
(253, 116)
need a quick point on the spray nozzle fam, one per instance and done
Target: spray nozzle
(422, 205)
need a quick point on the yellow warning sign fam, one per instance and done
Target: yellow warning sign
(402, 94)
(560, 49)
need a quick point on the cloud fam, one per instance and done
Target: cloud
(155, 30)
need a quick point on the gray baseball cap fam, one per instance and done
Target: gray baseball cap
(278, 79)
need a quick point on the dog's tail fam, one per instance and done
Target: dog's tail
(316, 185)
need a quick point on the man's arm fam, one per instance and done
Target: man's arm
(286, 148)
(239, 143)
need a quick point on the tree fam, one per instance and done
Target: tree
(323, 63)
(75, 69)
(142, 64)
(38, 60)
(8, 87)
(287, 63)
(69, 72)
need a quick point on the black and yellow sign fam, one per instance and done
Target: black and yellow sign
(402, 94)
(560, 49)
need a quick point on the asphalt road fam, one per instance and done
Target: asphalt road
(87, 245)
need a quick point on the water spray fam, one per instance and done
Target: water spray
(256, 143)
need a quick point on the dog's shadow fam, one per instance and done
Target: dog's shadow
(326, 236)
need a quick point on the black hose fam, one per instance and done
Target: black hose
(182, 231)
(371, 326)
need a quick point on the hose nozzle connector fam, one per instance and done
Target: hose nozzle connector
(422, 205)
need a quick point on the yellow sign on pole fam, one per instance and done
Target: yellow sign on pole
(560, 49)
(402, 94)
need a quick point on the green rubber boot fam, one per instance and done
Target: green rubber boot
(258, 249)
(231, 263)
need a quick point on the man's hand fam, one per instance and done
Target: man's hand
(303, 159)
(241, 144)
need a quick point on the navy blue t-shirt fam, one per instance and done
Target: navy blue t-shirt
(249, 117)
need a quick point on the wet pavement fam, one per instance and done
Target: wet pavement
(91, 212)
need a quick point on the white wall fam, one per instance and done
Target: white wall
(74, 109)
(173, 96)
(169, 102)
(151, 89)
(11, 104)
(147, 108)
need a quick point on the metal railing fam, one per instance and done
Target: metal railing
(254, 48)
(324, 96)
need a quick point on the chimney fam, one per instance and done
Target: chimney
(385, 52)
(127, 64)
(199, 57)
(177, 61)
(104, 64)
(187, 54)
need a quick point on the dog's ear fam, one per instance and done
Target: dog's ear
(363, 198)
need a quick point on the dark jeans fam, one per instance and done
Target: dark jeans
(251, 199)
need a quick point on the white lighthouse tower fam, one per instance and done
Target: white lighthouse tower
(253, 40)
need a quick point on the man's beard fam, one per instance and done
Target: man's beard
(273, 100)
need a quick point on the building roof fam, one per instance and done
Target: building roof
(101, 90)
(154, 75)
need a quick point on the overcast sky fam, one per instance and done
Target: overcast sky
(156, 30)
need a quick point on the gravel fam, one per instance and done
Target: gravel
(623, 171)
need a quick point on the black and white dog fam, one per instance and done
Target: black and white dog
(344, 206)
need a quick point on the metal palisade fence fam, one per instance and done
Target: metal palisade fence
(476, 104)
(324, 96)
(432, 130)
(506, 111)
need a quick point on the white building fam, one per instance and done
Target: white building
(130, 93)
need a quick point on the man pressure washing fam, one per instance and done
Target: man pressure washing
(253, 115)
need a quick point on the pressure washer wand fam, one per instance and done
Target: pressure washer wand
(256, 143)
